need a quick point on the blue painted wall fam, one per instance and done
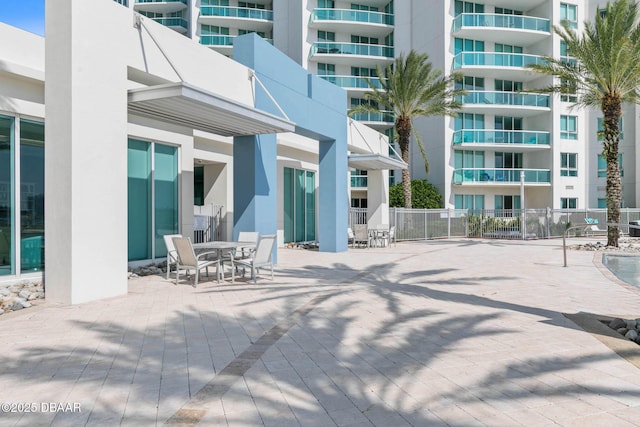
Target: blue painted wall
(318, 108)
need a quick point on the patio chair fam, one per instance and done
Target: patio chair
(389, 237)
(351, 238)
(172, 257)
(187, 259)
(361, 235)
(248, 237)
(262, 257)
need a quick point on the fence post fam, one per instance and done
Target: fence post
(425, 224)
(448, 223)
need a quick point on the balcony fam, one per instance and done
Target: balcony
(177, 24)
(379, 120)
(501, 177)
(356, 85)
(505, 66)
(361, 22)
(522, 139)
(358, 181)
(505, 103)
(221, 43)
(519, 30)
(160, 6)
(353, 54)
(237, 17)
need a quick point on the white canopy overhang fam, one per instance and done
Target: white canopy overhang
(375, 162)
(186, 105)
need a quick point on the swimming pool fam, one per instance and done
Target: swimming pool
(625, 267)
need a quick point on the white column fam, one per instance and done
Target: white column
(85, 151)
(378, 197)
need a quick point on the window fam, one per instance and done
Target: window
(468, 7)
(260, 33)
(359, 203)
(508, 160)
(568, 203)
(468, 121)
(359, 178)
(355, 6)
(569, 127)
(364, 72)
(602, 203)
(468, 45)
(215, 2)
(470, 83)
(601, 129)
(213, 30)
(503, 11)
(326, 69)
(507, 86)
(507, 123)
(122, 2)
(569, 90)
(364, 40)
(251, 5)
(468, 159)
(507, 48)
(506, 202)
(469, 201)
(152, 198)
(568, 164)
(326, 36)
(299, 205)
(326, 4)
(569, 13)
(602, 166)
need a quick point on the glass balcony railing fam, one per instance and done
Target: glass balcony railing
(172, 22)
(352, 49)
(518, 99)
(489, 20)
(382, 116)
(349, 15)
(220, 40)
(495, 59)
(358, 181)
(161, 1)
(531, 176)
(478, 136)
(350, 82)
(237, 12)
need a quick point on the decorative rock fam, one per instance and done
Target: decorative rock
(622, 331)
(617, 323)
(1, 311)
(631, 335)
(24, 294)
(631, 323)
(5, 292)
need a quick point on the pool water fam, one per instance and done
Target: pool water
(625, 267)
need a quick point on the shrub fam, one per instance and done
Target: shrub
(423, 195)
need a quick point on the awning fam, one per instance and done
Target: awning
(186, 105)
(375, 162)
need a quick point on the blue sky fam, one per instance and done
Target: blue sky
(25, 14)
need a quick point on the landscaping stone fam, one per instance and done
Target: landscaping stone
(629, 328)
(18, 296)
(617, 324)
(632, 335)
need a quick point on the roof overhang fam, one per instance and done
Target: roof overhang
(186, 105)
(375, 162)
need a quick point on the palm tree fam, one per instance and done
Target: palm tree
(411, 88)
(605, 75)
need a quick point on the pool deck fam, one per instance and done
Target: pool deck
(445, 332)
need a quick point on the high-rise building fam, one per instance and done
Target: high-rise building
(508, 148)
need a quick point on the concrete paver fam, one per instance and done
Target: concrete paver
(455, 332)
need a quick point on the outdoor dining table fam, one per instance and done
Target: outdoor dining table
(218, 247)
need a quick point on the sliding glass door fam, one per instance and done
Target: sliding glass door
(299, 205)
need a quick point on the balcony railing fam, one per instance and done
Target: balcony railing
(349, 82)
(237, 12)
(333, 48)
(358, 181)
(490, 20)
(349, 15)
(383, 116)
(504, 98)
(172, 22)
(466, 136)
(495, 59)
(220, 40)
(531, 176)
(161, 1)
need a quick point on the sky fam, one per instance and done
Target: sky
(25, 14)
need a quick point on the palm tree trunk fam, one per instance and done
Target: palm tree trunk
(612, 111)
(403, 127)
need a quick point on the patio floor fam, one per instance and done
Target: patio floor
(447, 332)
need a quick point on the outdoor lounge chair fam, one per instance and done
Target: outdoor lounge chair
(361, 235)
(187, 259)
(262, 257)
(351, 238)
(172, 257)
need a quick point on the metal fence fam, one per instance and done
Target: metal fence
(207, 223)
(421, 224)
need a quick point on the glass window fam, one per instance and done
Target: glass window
(326, 69)
(507, 123)
(139, 199)
(507, 86)
(326, 4)
(601, 129)
(468, 7)
(602, 166)
(165, 194)
(569, 13)
(569, 127)
(602, 203)
(468, 159)
(470, 83)
(7, 245)
(569, 91)
(506, 202)
(31, 196)
(568, 164)
(468, 45)
(468, 121)
(508, 160)
(299, 205)
(469, 201)
(568, 203)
